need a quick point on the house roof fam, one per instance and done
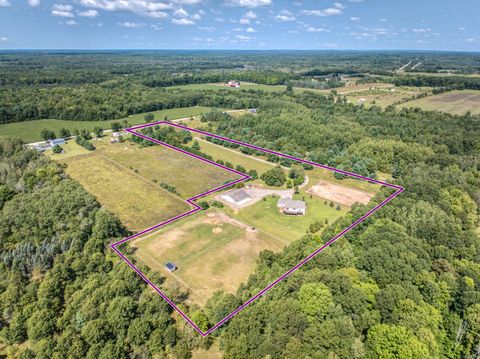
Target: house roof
(239, 195)
(57, 140)
(291, 203)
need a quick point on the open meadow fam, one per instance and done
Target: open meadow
(386, 96)
(29, 131)
(137, 202)
(126, 179)
(454, 102)
(212, 252)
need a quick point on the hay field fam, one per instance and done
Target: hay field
(454, 102)
(138, 203)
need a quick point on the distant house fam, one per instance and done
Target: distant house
(252, 110)
(40, 147)
(170, 267)
(116, 134)
(361, 101)
(233, 84)
(290, 206)
(238, 197)
(57, 141)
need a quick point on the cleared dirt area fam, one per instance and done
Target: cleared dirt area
(213, 252)
(339, 194)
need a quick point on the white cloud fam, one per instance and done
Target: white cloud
(33, 3)
(5, 3)
(207, 28)
(249, 3)
(183, 21)
(244, 38)
(354, 18)
(145, 8)
(244, 21)
(181, 13)
(285, 15)
(131, 25)
(250, 15)
(4, 39)
(317, 29)
(251, 29)
(71, 22)
(470, 40)
(62, 10)
(88, 13)
(462, 28)
(421, 30)
(337, 9)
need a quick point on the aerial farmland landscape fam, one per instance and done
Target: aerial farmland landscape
(239, 179)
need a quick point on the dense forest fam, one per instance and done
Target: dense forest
(403, 284)
(109, 85)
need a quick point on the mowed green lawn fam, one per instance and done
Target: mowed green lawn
(266, 216)
(29, 131)
(212, 253)
(454, 102)
(159, 164)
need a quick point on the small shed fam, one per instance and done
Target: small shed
(170, 267)
(57, 141)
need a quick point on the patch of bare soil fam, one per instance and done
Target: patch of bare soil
(339, 194)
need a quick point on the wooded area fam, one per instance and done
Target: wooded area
(405, 283)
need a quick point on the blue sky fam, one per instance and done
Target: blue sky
(240, 24)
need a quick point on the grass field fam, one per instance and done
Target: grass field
(159, 164)
(212, 253)
(126, 179)
(386, 97)
(29, 131)
(138, 203)
(454, 102)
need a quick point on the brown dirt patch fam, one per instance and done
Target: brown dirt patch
(339, 194)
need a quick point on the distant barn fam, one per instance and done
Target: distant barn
(170, 267)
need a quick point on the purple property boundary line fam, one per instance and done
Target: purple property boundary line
(243, 177)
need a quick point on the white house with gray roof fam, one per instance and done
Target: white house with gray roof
(291, 206)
